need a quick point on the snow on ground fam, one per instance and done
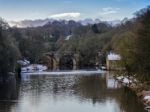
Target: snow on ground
(103, 68)
(147, 101)
(146, 98)
(68, 37)
(23, 62)
(120, 78)
(124, 79)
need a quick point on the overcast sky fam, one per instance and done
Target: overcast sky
(70, 9)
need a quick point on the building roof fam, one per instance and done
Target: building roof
(113, 57)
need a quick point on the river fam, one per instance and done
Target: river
(74, 91)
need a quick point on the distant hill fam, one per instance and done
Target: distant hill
(42, 22)
(29, 23)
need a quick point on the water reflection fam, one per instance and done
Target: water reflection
(8, 94)
(71, 93)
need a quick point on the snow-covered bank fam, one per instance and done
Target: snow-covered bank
(145, 95)
(33, 68)
(136, 86)
(125, 80)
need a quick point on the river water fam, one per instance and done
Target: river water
(67, 92)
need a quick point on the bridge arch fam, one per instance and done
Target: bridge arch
(60, 61)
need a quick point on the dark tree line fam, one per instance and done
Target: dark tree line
(133, 43)
(8, 50)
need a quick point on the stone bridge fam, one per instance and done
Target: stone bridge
(56, 61)
(67, 60)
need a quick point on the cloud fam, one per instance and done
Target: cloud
(109, 10)
(66, 15)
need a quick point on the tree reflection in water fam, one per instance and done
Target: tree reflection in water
(99, 90)
(8, 94)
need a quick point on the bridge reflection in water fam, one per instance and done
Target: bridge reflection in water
(81, 91)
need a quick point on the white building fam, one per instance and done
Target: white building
(112, 61)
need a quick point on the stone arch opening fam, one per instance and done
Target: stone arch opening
(49, 60)
(67, 62)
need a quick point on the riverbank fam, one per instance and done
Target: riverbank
(138, 87)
